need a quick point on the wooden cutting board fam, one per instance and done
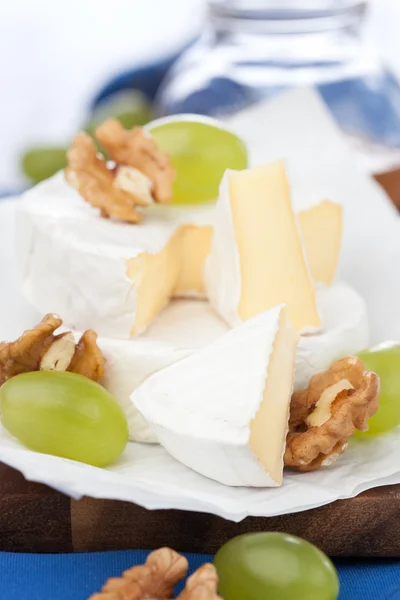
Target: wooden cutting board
(35, 518)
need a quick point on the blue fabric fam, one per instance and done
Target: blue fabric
(77, 576)
(146, 78)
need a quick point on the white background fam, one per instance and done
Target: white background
(55, 54)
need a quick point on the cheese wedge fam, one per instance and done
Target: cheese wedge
(223, 411)
(257, 259)
(321, 228)
(106, 275)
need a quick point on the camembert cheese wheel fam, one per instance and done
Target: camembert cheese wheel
(115, 277)
(223, 411)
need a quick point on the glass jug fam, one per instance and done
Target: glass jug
(253, 49)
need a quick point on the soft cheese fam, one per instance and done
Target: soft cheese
(321, 228)
(223, 411)
(257, 259)
(127, 366)
(177, 332)
(187, 325)
(344, 332)
(116, 277)
(113, 277)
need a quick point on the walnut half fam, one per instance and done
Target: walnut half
(323, 417)
(40, 349)
(142, 173)
(155, 580)
(137, 149)
(88, 173)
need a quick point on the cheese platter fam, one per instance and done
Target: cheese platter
(232, 358)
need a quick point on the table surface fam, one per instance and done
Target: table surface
(77, 576)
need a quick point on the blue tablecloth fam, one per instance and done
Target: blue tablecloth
(76, 576)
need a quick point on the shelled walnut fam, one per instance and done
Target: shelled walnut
(142, 173)
(156, 579)
(89, 174)
(323, 417)
(139, 150)
(40, 349)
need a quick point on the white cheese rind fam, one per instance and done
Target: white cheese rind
(201, 408)
(344, 332)
(177, 332)
(73, 262)
(222, 267)
(127, 366)
(90, 289)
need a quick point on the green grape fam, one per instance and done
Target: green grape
(274, 566)
(200, 150)
(40, 163)
(385, 361)
(64, 414)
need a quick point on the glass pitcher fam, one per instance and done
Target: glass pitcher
(253, 49)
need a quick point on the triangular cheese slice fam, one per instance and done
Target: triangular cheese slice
(223, 411)
(257, 259)
(321, 229)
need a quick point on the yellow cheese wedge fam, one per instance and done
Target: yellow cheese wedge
(257, 259)
(176, 270)
(195, 247)
(278, 387)
(321, 228)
